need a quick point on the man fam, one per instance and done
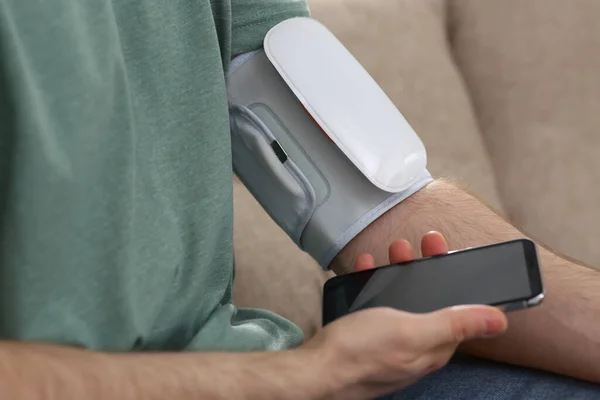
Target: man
(116, 216)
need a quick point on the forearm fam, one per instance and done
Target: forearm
(562, 335)
(32, 371)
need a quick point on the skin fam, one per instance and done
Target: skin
(382, 351)
(363, 355)
(432, 244)
(561, 336)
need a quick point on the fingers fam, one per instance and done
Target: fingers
(401, 251)
(364, 262)
(433, 244)
(457, 324)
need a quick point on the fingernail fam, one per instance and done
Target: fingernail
(494, 326)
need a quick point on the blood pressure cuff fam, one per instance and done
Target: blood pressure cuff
(316, 140)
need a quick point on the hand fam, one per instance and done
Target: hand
(377, 351)
(432, 244)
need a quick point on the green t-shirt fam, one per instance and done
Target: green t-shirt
(115, 173)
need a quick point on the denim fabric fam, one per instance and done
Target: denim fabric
(472, 379)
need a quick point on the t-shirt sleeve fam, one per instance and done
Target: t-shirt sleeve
(252, 19)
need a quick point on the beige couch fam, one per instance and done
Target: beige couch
(506, 96)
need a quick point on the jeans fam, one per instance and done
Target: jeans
(473, 379)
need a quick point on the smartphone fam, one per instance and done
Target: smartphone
(506, 275)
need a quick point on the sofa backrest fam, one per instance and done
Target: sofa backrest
(510, 84)
(532, 69)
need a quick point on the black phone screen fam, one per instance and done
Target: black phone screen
(492, 275)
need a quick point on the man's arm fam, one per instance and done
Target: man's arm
(561, 336)
(382, 350)
(36, 371)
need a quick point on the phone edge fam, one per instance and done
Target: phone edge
(522, 304)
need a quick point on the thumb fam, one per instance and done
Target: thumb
(458, 324)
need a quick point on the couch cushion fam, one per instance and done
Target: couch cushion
(271, 272)
(532, 68)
